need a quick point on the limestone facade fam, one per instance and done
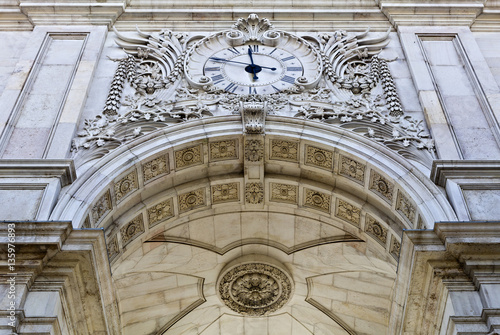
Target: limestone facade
(323, 167)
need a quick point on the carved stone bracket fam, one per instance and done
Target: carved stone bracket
(253, 114)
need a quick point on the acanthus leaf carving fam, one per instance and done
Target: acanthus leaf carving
(357, 91)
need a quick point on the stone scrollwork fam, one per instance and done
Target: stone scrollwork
(255, 288)
(353, 89)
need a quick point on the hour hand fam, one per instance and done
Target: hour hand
(252, 66)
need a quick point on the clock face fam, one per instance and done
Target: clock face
(253, 69)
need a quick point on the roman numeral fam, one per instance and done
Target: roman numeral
(231, 88)
(272, 51)
(234, 50)
(294, 68)
(275, 88)
(217, 79)
(255, 48)
(252, 90)
(288, 79)
(207, 69)
(287, 58)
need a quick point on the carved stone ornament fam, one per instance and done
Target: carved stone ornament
(405, 207)
(284, 193)
(336, 78)
(255, 288)
(132, 229)
(223, 150)
(285, 150)
(253, 113)
(348, 212)
(376, 229)
(126, 185)
(395, 247)
(191, 200)
(352, 169)
(102, 207)
(254, 150)
(225, 192)
(155, 168)
(113, 249)
(254, 193)
(188, 157)
(319, 157)
(160, 212)
(381, 185)
(317, 200)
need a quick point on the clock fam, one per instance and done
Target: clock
(275, 63)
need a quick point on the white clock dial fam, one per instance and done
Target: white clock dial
(253, 69)
(256, 67)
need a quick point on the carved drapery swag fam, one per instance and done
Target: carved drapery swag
(356, 91)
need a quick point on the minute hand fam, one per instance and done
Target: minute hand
(222, 60)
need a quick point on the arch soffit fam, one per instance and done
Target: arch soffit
(358, 175)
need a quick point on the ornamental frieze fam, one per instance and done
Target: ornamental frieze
(348, 212)
(223, 150)
(102, 207)
(188, 157)
(352, 169)
(191, 200)
(376, 230)
(406, 207)
(254, 150)
(161, 211)
(319, 157)
(254, 193)
(225, 192)
(380, 185)
(336, 78)
(132, 230)
(126, 185)
(156, 167)
(317, 200)
(284, 193)
(284, 150)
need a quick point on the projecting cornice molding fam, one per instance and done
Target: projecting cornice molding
(64, 169)
(480, 15)
(432, 13)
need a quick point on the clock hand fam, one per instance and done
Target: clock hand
(253, 65)
(222, 60)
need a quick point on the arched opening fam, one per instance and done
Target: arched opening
(179, 204)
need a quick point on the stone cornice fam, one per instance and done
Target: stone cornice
(432, 13)
(442, 170)
(64, 169)
(24, 15)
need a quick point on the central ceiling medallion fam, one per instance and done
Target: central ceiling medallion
(255, 285)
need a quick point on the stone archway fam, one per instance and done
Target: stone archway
(179, 204)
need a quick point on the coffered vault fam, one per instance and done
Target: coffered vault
(243, 175)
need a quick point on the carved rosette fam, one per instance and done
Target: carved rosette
(255, 288)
